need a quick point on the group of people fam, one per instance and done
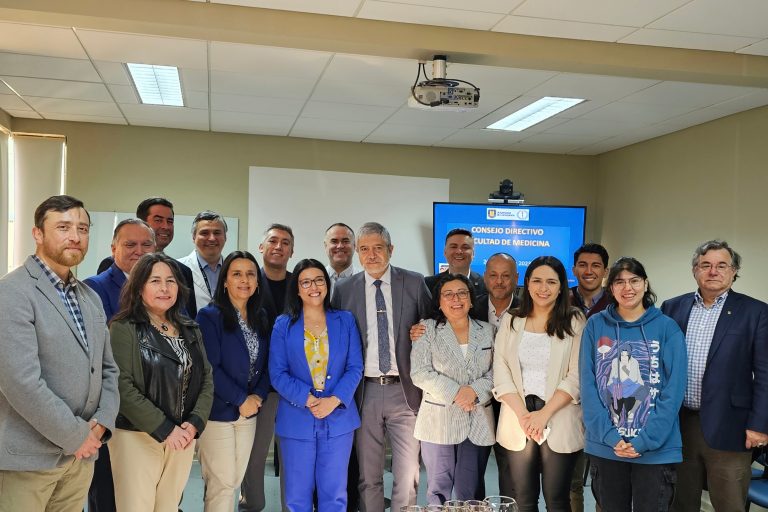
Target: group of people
(153, 358)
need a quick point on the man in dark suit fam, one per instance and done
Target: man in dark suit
(458, 251)
(157, 212)
(725, 410)
(276, 249)
(386, 301)
(132, 239)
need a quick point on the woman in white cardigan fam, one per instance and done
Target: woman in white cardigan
(452, 364)
(536, 378)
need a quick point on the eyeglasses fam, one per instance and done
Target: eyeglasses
(318, 281)
(635, 282)
(450, 294)
(719, 268)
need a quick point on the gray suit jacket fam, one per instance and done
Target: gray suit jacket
(438, 366)
(51, 384)
(410, 302)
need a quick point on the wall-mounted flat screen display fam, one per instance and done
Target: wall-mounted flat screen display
(524, 232)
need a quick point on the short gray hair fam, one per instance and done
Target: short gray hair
(716, 245)
(134, 222)
(374, 228)
(208, 215)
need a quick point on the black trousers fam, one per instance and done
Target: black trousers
(621, 486)
(101, 494)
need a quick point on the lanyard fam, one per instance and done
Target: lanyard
(205, 278)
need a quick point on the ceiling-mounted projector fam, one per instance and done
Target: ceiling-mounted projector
(441, 93)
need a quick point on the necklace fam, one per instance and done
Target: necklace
(163, 325)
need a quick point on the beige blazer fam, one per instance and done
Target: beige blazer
(438, 367)
(566, 426)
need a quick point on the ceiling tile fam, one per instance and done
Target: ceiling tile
(747, 102)
(637, 112)
(480, 139)
(58, 89)
(335, 7)
(346, 112)
(562, 28)
(436, 118)
(244, 122)
(692, 40)
(142, 49)
(590, 87)
(367, 69)
(113, 72)
(123, 93)
(256, 104)
(496, 6)
(361, 94)
(335, 130)
(687, 94)
(12, 102)
(226, 82)
(745, 18)
(84, 118)
(389, 11)
(267, 60)
(390, 133)
(759, 48)
(194, 79)
(196, 100)
(609, 12)
(168, 117)
(48, 67)
(592, 128)
(702, 115)
(62, 106)
(40, 40)
(27, 114)
(509, 81)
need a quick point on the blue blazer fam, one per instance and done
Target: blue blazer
(108, 285)
(228, 355)
(734, 394)
(290, 375)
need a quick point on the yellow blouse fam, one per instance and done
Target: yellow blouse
(316, 350)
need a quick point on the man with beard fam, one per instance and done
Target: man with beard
(158, 213)
(58, 380)
(209, 233)
(339, 244)
(276, 249)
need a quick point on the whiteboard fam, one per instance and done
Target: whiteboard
(311, 200)
(103, 225)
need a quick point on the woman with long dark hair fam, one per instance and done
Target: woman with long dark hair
(236, 336)
(536, 378)
(451, 363)
(165, 384)
(315, 364)
(633, 376)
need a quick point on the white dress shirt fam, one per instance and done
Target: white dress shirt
(372, 336)
(493, 319)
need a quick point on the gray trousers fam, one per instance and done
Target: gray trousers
(385, 413)
(252, 497)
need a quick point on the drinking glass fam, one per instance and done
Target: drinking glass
(501, 503)
(454, 506)
(411, 508)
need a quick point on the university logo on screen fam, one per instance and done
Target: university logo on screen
(518, 214)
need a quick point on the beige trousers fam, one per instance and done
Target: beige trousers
(224, 448)
(62, 489)
(148, 476)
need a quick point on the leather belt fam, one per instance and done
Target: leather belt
(384, 380)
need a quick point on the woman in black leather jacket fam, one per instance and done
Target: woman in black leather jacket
(166, 388)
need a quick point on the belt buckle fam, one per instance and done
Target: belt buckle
(383, 380)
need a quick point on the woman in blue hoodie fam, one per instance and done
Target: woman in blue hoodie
(633, 366)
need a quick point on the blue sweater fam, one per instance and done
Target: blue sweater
(633, 377)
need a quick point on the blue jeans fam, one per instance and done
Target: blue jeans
(621, 486)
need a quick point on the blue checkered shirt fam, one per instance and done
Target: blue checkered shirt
(67, 294)
(698, 338)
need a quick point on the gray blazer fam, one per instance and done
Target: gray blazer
(438, 367)
(410, 302)
(51, 384)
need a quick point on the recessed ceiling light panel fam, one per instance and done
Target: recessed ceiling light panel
(157, 85)
(534, 113)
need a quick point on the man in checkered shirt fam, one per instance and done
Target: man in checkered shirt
(725, 410)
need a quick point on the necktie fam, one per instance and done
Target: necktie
(385, 362)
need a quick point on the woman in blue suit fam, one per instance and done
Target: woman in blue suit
(315, 364)
(236, 336)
